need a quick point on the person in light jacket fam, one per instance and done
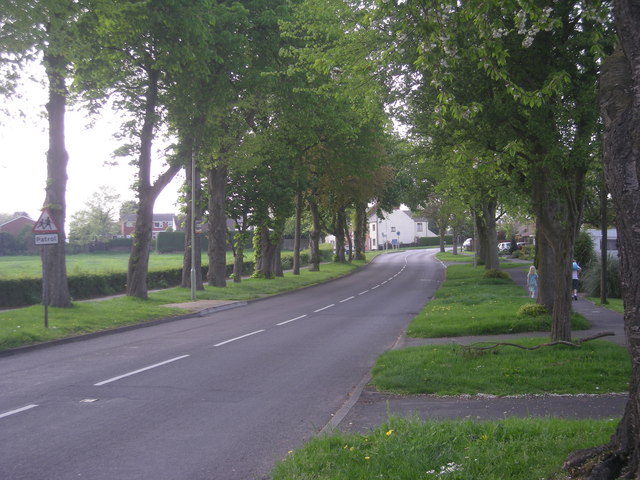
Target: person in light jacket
(532, 281)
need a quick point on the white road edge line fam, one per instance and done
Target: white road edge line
(104, 382)
(18, 410)
(292, 320)
(347, 299)
(324, 308)
(238, 338)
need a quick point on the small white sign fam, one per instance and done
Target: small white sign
(46, 239)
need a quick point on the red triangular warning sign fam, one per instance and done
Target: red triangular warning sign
(45, 223)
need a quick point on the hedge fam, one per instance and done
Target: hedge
(28, 291)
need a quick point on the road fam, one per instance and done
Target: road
(219, 397)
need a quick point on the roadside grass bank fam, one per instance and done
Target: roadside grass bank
(596, 367)
(25, 326)
(467, 303)
(513, 448)
(401, 449)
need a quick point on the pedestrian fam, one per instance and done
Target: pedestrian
(575, 270)
(532, 281)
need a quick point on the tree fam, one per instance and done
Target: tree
(137, 53)
(538, 65)
(620, 109)
(97, 222)
(45, 28)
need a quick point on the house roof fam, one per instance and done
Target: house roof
(157, 217)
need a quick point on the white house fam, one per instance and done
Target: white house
(612, 240)
(395, 229)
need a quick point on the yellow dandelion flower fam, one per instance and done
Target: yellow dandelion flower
(389, 432)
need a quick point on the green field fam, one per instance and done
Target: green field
(30, 266)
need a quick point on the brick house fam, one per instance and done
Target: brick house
(17, 225)
(161, 222)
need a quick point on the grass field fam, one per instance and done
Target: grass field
(401, 449)
(30, 266)
(514, 449)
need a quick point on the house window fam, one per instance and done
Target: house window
(373, 227)
(393, 229)
(373, 242)
(157, 224)
(419, 226)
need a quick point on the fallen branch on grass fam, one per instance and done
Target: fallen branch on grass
(477, 346)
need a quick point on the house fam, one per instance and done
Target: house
(18, 225)
(396, 228)
(161, 222)
(612, 240)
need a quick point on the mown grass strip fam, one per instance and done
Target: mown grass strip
(596, 367)
(467, 303)
(24, 326)
(514, 449)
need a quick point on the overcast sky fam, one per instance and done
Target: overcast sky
(23, 165)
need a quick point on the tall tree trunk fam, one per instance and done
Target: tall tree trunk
(314, 237)
(267, 253)
(558, 219)
(360, 231)
(57, 159)
(604, 257)
(296, 234)
(147, 195)
(487, 239)
(620, 108)
(217, 180)
(545, 259)
(190, 239)
(239, 239)
(339, 232)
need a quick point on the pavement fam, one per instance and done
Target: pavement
(367, 408)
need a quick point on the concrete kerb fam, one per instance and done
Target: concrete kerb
(366, 408)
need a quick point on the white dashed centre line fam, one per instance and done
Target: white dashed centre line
(362, 293)
(238, 338)
(289, 321)
(324, 308)
(18, 410)
(104, 382)
(347, 299)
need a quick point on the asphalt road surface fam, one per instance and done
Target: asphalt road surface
(219, 397)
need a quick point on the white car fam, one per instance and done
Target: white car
(468, 244)
(504, 247)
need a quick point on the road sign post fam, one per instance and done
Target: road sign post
(45, 233)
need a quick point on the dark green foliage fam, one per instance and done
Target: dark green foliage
(590, 279)
(434, 241)
(170, 242)
(19, 292)
(532, 310)
(496, 274)
(583, 251)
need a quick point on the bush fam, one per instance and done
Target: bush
(496, 274)
(167, 242)
(532, 310)
(590, 279)
(583, 250)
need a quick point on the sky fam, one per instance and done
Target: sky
(23, 164)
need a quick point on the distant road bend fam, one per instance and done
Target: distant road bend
(219, 397)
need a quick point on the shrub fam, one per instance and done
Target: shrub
(583, 250)
(590, 279)
(496, 274)
(532, 310)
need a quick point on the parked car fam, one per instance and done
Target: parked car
(504, 247)
(468, 244)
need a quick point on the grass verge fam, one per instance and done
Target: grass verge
(514, 449)
(596, 367)
(24, 326)
(469, 304)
